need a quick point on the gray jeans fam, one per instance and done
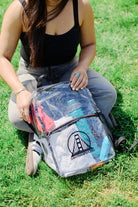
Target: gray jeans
(101, 89)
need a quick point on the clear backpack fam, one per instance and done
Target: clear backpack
(72, 131)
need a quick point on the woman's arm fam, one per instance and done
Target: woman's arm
(10, 34)
(88, 45)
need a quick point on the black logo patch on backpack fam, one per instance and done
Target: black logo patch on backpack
(79, 144)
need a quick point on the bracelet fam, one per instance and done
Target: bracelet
(20, 90)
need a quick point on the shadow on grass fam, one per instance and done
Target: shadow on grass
(23, 136)
(125, 123)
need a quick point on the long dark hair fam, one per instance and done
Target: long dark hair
(36, 19)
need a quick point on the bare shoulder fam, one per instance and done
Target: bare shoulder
(14, 11)
(84, 2)
(85, 9)
(13, 16)
(84, 5)
(15, 6)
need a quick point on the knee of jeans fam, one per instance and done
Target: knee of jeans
(113, 95)
(19, 124)
(13, 115)
(13, 120)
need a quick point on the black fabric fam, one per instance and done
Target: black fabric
(75, 9)
(58, 49)
(24, 4)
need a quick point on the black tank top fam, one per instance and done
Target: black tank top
(59, 49)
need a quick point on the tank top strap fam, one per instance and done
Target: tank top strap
(75, 9)
(24, 4)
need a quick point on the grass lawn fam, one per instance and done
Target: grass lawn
(112, 185)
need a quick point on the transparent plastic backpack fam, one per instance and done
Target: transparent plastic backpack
(71, 129)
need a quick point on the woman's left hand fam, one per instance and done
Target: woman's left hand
(79, 79)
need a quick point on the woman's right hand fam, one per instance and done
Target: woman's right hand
(23, 101)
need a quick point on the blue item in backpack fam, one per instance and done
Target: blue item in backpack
(75, 111)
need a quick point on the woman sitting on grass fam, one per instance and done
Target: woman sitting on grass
(50, 32)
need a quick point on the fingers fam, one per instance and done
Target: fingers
(79, 81)
(81, 85)
(24, 114)
(21, 114)
(23, 101)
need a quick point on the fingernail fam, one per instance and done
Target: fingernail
(73, 89)
(77, 89)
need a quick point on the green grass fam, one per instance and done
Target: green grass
(112, 185)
